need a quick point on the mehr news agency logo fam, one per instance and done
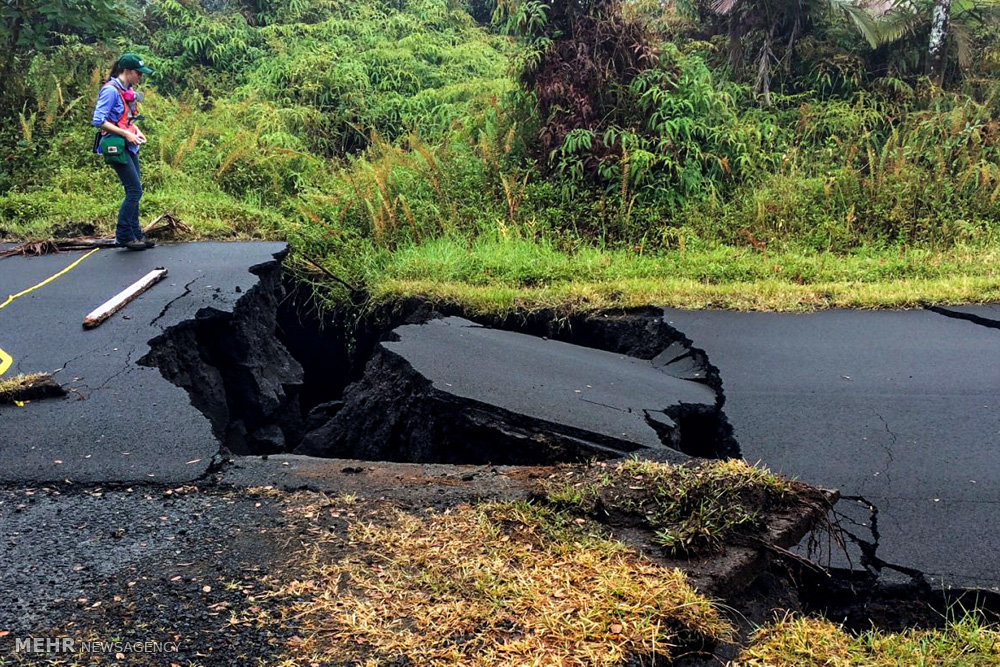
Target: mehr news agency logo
(94, 646)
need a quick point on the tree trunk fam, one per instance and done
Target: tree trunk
(939, 34)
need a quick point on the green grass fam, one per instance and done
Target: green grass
(497, 275)
(212, 213)
(965, 642)
(493, 273)
(691, 509)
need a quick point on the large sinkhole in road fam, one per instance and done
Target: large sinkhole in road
(413, 382)
(418, 382)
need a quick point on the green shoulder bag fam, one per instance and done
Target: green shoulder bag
(113, 149)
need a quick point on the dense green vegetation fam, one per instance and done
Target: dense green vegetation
(588, 153)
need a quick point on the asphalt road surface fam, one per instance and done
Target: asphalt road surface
(901, 408)
(898, 408)
(121, 422)
(592, 392)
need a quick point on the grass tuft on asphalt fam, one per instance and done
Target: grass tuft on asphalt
(22, 387)
(966, 641)
(692, 510)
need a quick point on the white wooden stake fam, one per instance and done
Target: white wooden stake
(120, 300)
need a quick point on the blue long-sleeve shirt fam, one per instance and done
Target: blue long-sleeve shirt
(110, 107)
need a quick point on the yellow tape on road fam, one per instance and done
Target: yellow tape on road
(5, 359)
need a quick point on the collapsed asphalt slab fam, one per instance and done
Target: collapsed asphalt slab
(123, 421)
(449, 390)
(898, 409)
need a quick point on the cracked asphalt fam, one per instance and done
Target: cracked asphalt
(121, 422)
(901, 408)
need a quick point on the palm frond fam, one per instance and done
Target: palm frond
(866, 25)
(963, 44)
(902, 21)
(723, 6)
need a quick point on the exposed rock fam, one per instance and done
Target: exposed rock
(236, 370)
(268, 438)
(321, 414)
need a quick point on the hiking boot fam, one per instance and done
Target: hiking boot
(149, 242)
(136, 245)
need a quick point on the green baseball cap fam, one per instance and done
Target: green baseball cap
(132, 61)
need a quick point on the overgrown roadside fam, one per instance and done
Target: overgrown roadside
(397, 564)
(386, 564)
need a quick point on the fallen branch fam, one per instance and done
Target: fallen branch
(49, 247)
(167, 222)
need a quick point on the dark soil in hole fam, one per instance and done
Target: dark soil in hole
(237, 372)
(859, 601)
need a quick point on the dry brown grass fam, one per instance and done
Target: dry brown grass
(497, 584)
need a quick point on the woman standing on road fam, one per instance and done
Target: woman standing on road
(118, 141)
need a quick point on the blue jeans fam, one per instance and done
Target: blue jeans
(128, 228)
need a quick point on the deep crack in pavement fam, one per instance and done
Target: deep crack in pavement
(187, 292)
(869, 548)
(927, 459)
(989, 316)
